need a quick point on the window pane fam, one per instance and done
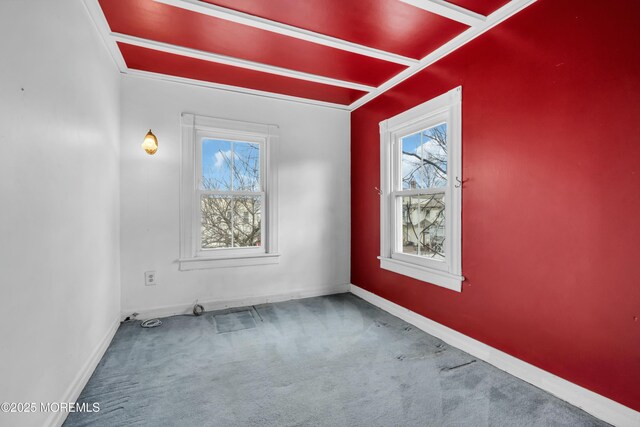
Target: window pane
(247, 212)
(216, 164)
(424, 158)
(423, 225)
(246, 173)
(216, 222)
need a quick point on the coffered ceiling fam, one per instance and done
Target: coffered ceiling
(330, 52)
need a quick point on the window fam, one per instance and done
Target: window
(420, 202)
(228, 193)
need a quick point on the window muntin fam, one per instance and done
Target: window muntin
(420, 217)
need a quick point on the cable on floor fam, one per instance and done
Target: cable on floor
(151, 323)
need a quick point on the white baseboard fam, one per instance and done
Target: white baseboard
(597, 405)
(219, 304)
(56, 419)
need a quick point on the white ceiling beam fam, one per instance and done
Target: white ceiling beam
(97, 16)
(235, 62)
(492, 20)
(286, 30)
(449, 10)
(236, 89)
(500, 15)
(100, 22)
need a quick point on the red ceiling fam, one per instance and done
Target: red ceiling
(175, 65)
(155, 21)
(483, 7)
(386, 25)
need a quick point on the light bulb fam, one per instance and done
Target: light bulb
(150, 144)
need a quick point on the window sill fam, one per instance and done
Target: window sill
(425, 274)
(222, 262)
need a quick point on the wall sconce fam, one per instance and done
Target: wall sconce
(150, 144)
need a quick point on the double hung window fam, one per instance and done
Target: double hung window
(228, 193)
(421, 191)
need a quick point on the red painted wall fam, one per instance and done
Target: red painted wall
(551, 208)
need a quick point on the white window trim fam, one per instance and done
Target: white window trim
(448, 274)
(194, 127)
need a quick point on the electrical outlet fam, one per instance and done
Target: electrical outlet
(150, 278)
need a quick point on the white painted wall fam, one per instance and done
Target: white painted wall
(59, 196)
(314, 204)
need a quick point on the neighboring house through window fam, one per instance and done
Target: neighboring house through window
(228, 193)
(421, 191)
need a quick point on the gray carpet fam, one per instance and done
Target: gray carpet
(327, 361)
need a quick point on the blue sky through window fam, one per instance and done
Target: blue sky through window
(216, 170)
(424, 158)
(220, 173)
